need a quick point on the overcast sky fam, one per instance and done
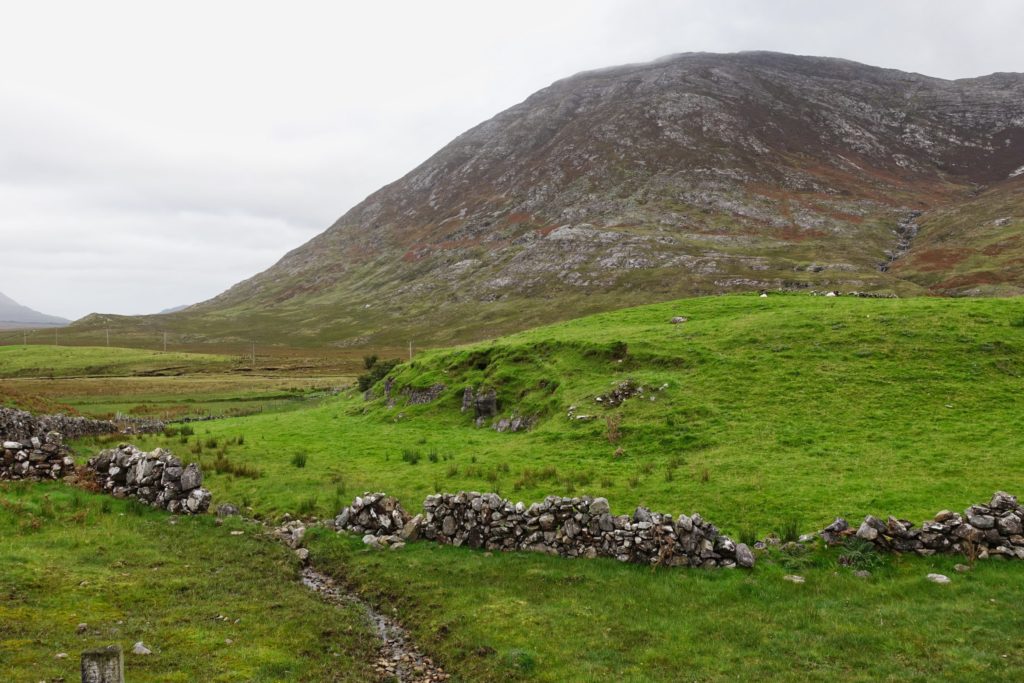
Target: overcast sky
(152, 155)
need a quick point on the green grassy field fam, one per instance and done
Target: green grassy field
(211, 606)
(74, 361)
(102, 382)
(766, 414)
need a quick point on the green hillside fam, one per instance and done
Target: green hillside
(755, 411)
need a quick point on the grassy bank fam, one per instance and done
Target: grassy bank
(211, 606)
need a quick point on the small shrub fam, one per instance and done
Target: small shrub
(376, 373)
(186, 430)
(222, 465)
(790, 531)
(410, 456)
(299, 459)
(136, 507)
(369, 362)
(794, 557)
(432, 457)
(859, 554)
(211, 442)
(307, 506)
(240, 440)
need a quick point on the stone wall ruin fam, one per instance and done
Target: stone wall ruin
(157, 478)
(569, 527)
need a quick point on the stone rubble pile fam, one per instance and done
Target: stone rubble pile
(380, 518)
(570, 527)
(35, 457)
(157, 478)
(983, 531)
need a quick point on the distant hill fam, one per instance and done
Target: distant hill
(15, 316)
(694, 174)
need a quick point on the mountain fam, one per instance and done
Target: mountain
(694, 174)
(13, 316)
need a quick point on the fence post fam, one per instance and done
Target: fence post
(103, 666)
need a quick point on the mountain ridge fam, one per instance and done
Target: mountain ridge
(16, 316)
(693, 174)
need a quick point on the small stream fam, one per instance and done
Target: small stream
(906, 231)
(398, 659)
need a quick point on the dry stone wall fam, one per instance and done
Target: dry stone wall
(157, 478)
(19, 425)
(35, 457)
(995, 529)
(570, 527)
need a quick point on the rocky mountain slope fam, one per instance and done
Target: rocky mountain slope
(14, 315)
(694, 174)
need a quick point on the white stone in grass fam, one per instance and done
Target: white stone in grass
(938, 578)
(793, 578)
(140, 649)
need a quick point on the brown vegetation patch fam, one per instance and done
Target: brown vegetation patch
(940, 258)
(982, 277)
(1002, 246)
(518, 217)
